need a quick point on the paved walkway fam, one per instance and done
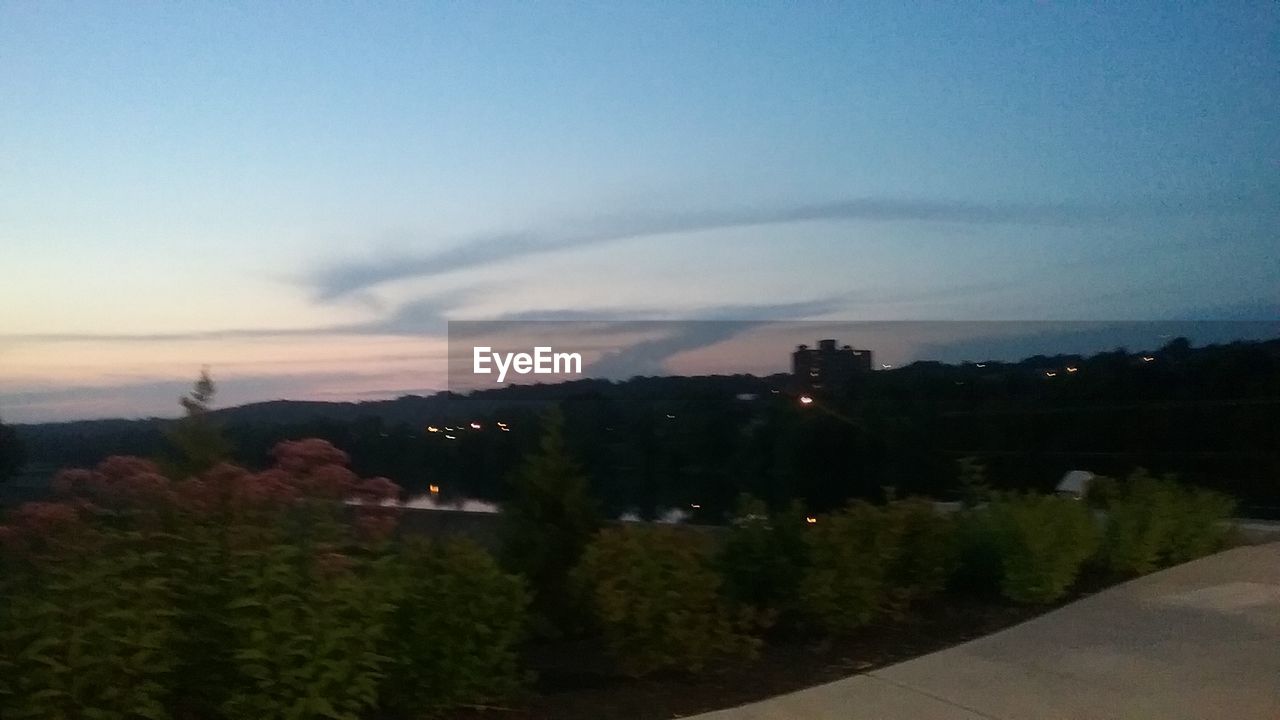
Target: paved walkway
(1197, 642)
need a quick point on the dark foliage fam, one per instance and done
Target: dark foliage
(1210, 414)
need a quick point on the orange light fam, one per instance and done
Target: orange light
(432, 428)
(433, 489)
(811, 520)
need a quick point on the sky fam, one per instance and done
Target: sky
(301, 195)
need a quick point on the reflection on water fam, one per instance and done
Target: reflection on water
(666, 516)
(427, 501)
(435, 502)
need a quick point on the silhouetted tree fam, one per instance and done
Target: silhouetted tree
(547, 523)
(196, 441)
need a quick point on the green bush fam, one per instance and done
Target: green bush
(455, 631)
(1199, 526)
(979, 568)
(1140, 520)
(1101, 492)
(546, 524)
(1042, 542)
(1155, 522)
(764, 556)
(655, 596)
(852, 556)
(88, 635)
(926, 555)
(308, 628)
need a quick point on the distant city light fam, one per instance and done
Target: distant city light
(450, 437)
(884, 366)
(982, 364)
(433, 489)
(811, 520)
(806, 400)
(695, 506)
(1051, 374)
(1147, 358)
(475, 426)
(432, 428)
(1071, 369)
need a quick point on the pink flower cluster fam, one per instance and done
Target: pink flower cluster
(117, 482)
(41, 527)
(309, 469)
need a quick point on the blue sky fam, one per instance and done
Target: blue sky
(301, 194)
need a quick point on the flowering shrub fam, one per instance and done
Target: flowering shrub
(655, 596)
(250, 594)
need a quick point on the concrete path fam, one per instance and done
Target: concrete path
(1200, 641)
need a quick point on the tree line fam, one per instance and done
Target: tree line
(1207, 414)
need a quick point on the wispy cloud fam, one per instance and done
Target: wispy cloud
(426, 316)
(348, 277)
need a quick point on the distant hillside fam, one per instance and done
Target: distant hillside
(85, 441)
(1209, 414)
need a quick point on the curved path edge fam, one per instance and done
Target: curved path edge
(1200, 641)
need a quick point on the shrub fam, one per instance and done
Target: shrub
(1042, 541)
(1199, 526)
(979, 568)
(655, 596)
(1153, 522)
(1101, 492)
(546, 525)
(455, 631)
(307, 629)
(851, 558)
(233, 594)
(1139, 526)
(764, 556)
(926, 555)
(88, 633)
